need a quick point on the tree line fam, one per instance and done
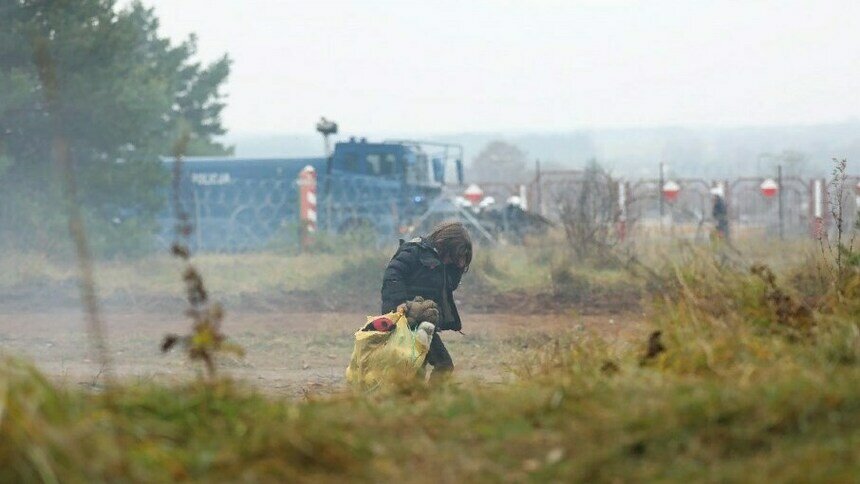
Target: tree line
(103, 82)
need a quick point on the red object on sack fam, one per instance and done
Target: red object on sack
(382, 324)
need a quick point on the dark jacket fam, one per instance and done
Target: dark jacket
(721, 216)
(416, 270)
(719, 211)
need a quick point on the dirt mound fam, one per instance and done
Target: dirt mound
(522, 302)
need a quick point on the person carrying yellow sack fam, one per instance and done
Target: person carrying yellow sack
(431, 267)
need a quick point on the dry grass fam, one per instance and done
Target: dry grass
(733, 392)
(502, 269)
(225, 273)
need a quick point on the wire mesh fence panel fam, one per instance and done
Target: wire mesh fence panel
(645, 201)
(852, 202)
(352, 202)
(790, 211)
(683, 212)
(545, 193)
(754, 211)
(796, 208)
(254, 213)
(242, 215)
(842, 200)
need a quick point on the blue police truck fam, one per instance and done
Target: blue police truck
(239, 204)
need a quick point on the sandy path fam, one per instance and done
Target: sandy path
(286, 353)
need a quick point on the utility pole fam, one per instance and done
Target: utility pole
(327, 128)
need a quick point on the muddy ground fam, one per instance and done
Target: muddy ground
(287, 353)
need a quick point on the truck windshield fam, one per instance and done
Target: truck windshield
(381, 165)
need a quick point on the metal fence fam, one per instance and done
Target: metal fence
(253, 213)
(799, 207)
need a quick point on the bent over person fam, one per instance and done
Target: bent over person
(431, 267)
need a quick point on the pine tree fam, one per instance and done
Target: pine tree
(106, 82)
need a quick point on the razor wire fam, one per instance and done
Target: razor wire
(251, 213)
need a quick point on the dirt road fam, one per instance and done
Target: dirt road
(287, 353)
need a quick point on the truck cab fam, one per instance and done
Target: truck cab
(381, 186)
(408, 164)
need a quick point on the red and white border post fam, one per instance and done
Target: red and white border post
(307, 204)
(819, 227)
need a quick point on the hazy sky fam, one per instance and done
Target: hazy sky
(472, 65)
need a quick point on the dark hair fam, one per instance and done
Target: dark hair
(452, 240)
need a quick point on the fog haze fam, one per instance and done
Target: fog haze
(385, 67)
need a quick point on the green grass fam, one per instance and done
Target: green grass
(530, 268)
(512, 268)
(741, 393)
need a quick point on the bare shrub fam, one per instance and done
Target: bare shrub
(569, 284)
(591, 215)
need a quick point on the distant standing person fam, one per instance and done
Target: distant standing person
(720, 213)
(431, 267)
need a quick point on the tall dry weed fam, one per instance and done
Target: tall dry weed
(206, 340)
(62, 154)
(838, 249)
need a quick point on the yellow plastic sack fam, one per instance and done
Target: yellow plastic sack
(385, 357)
